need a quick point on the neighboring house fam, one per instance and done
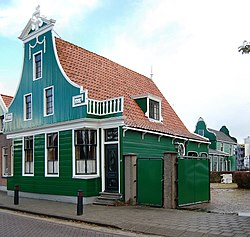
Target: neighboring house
(222, 147)
(5, 145)
(240, 155)
(247, 153)
(76, 114)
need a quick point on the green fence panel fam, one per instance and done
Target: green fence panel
(149, 182)
(202, 183)
(186, 184)
(193, 181)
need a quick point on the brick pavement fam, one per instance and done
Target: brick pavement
(165, 222)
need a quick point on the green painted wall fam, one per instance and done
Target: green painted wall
(62, 185)
(194, 146)
(201, 125)
(151, 147)
(51, 76)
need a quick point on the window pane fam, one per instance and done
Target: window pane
(5, 167)
(38, 65)
(52, 153)
(85, 151)
(28, 155)
(154, 111)
(28, 107)
(111, 134)
(49, 101)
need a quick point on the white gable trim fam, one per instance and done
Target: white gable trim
(61, 68)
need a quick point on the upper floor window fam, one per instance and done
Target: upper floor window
(201, 132)
(28, 107)
(221, 146)
(28, 155)
(154, 109)
(150, 105)
(52, 154)
(37, 65)
(49, 101)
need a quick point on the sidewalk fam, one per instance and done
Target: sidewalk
(148, 220)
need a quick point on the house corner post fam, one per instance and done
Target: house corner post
(170, 178)
(130, 178)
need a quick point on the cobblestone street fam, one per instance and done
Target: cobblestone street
(226, 199)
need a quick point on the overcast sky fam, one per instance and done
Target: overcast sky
(192, 47)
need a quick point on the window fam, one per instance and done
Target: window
(28, 155)
(52, 154)
(5, 165)
(203, 154)
(154, 109)
(85, 152)
(37, 66)
(111, 135)
(221, 146)
(49, 101)
(201, 132)
(193, 153)
(27, 107)
(1, 123)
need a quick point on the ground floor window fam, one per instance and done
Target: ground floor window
(85, 152)
(215, 163)
(5, 166)
(28, 155)
(52, 154)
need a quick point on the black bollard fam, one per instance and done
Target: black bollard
(79, 202)
(16, 195)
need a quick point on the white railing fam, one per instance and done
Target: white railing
(105, 107)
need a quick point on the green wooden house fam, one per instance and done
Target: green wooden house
(76, 114)
(222, 147)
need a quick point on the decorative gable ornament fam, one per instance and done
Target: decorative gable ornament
(36, 20)
(36, 26)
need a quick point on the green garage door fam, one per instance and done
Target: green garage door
(150, 182)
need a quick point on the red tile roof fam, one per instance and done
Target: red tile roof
(106, 79)
(6, 99)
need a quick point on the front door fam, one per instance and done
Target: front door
(111, 168)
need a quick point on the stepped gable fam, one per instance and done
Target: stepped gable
(105, 79)
(6, 99)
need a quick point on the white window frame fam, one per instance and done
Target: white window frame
(23, 158)
(25, 108)
(4, 161)
(45, 101)
(86, 176)
(156, 99)
(46, 156)
(34, 65)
